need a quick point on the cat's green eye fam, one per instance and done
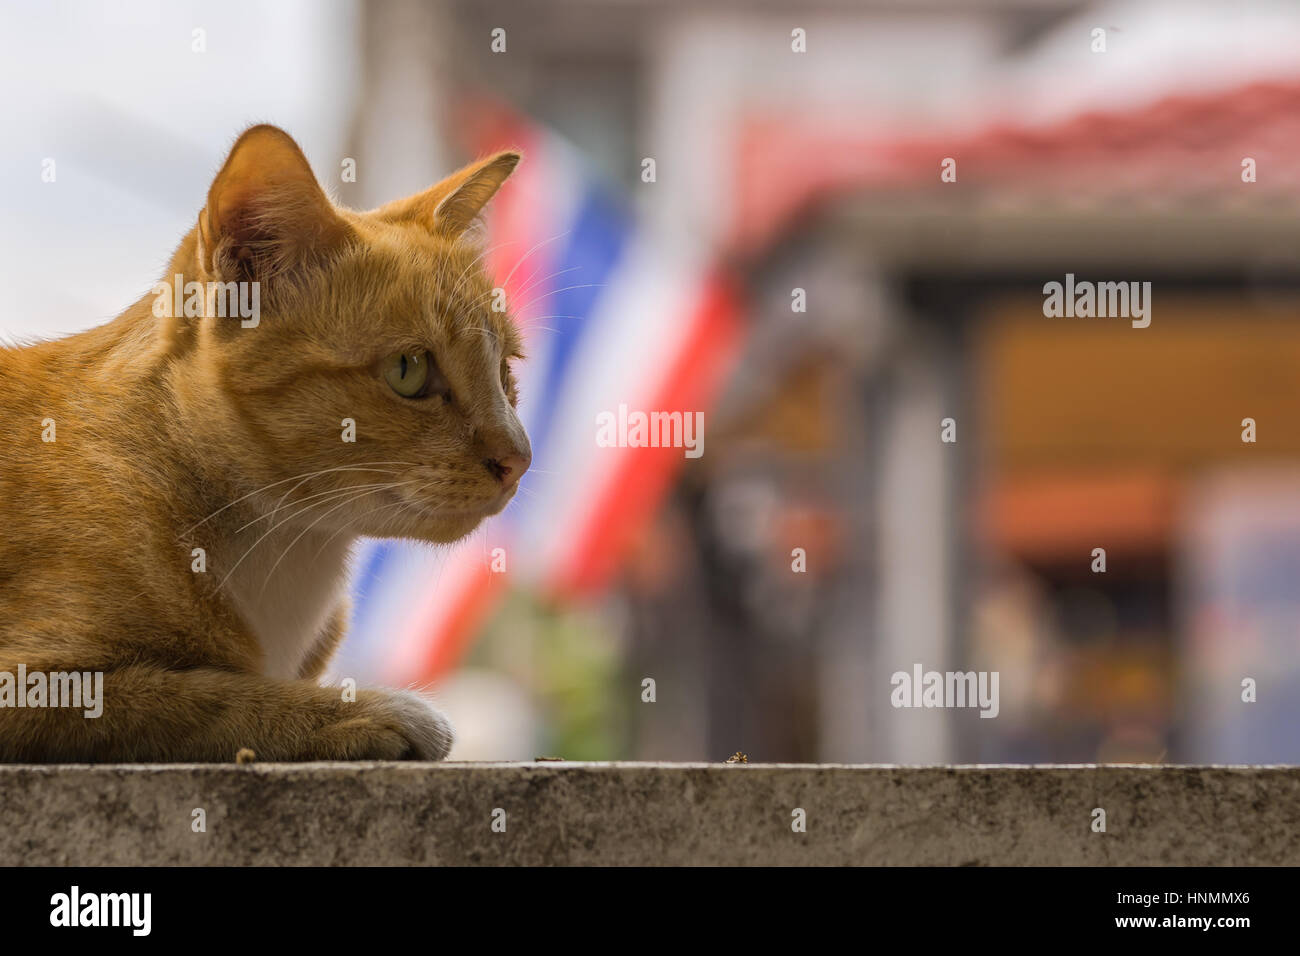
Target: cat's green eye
(407, 373)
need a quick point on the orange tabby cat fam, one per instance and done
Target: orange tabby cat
(180, 492)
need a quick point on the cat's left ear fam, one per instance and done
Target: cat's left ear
(266, 215)
(451, 206)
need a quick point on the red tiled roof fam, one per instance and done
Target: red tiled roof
(1183, 150)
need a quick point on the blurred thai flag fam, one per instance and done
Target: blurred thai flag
(608, 318)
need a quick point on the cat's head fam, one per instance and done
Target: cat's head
(374, 393)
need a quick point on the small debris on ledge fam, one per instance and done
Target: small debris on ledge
(738, 757)
(245, 756)
(540, 759)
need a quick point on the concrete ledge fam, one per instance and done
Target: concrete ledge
(629, 813)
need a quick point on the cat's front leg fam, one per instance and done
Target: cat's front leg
(394, 725)
(145, 713)
(327, 642)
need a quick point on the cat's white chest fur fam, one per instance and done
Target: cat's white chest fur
(286, 597)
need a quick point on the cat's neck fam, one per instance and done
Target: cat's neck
(284, 582)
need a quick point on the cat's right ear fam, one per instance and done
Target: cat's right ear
(451, 206)
(266, 215)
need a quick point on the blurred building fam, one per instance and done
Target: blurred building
(821, 172)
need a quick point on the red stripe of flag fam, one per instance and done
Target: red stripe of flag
(643, 476)
(455, 632)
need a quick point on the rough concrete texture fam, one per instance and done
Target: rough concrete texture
(627, 813)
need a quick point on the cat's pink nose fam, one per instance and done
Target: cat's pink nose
(507, 468)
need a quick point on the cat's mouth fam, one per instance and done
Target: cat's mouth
(486, 508)
(492, 507)
(445, 522)
(498, 504)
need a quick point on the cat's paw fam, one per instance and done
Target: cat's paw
(425, 730)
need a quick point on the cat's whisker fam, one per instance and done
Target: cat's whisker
(331, 493)
(509, 504)
(532, 282)
(519, 310)
(527, 329)
(282, 481)
(511, 274)
(333, 471)
(528, 323)
(351, 521)
(319, 519)
(460, 280)
(423, 511)
(401, 503)
(489, 334)
(277, 525)
(334, 495)
(280, 503)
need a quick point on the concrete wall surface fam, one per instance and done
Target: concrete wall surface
(647, 814)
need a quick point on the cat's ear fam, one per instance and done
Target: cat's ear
(451, 206)
(266, 215)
